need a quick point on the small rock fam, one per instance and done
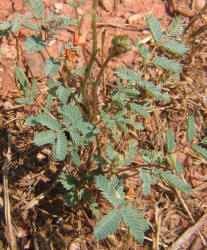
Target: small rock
(36, 64)
(41, 159)
(7, 105)
(79, 11)
(58, 8)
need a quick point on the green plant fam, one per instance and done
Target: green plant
(73, 124)
(191, 134)
(113, 191)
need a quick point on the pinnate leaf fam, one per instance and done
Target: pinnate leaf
(108, 225)
(63, 94)
(173, 180)
(44, 137)
(111, 189)
(191, 128)
(137, 225)
(155, 28)
(175, 47)
(69, 182)
(21, 77)
(169, 141)
(167, 64)
(61, 146)
(34, 43)
(52, 67)
(76, 158)
(200, 150)
(49, 122)
(139, 109)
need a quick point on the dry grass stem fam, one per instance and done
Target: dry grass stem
(188, 233)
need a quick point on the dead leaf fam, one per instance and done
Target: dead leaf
(135, 17)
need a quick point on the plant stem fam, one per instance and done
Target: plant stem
(90, 64)
(102, 62)
(94, 89)
(95, 3)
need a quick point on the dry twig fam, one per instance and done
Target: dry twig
(188, 233)
(10, 231)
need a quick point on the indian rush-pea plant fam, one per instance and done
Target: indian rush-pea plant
(76, 126)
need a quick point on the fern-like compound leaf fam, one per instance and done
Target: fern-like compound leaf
(155, 28)
(138, 109)
(44, 137)
(200, 150)
(22, 100)
(16, 26)
(176, 28)
(174, 181)
(108, 225)
(69, 182)
(31, 26)
(52, 84)
(76, 158)
(136, 224)
(119, 115)
(73, 4)
(167, 64)
(34, 44)
(16, 22)
(175, 47)
(204, 140)
(73, 112)
(179, 168)
(49, 122)
(51, 67)
(32, 121)
(82, 2)
(111, 153)
(146, 156)
(5, 26)
(74, 133)
(33, 92)
(22, 79)
(62, 94)
(121, 125)
(169, 141)
(49, 102)
(132, 91)
(191, 128)
(146, 181)
(36, 6)
(111, 189)
(153, 90)
(143, 51)
(61, 146)
(131, 152)
(171, 159)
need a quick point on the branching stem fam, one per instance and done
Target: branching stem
(94, 89)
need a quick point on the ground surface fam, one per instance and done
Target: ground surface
(49, 224)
